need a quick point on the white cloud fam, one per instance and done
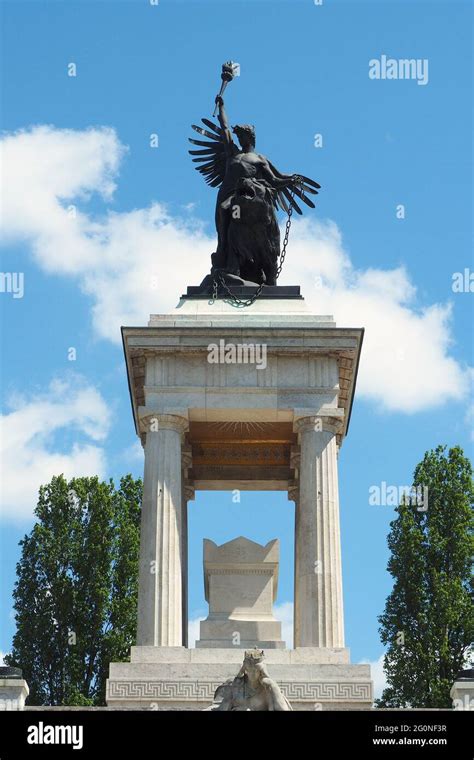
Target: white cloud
(133, 454)
(30, 452)
(57, 166)
(194, 630)
(405, 364)
(284, 613)
(2, 655)
(377, 674)
(122, 261)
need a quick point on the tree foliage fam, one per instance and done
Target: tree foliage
(428, 622)
(76, 591)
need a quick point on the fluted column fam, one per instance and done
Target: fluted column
(318, 611)
(160, 609)
(187, 494)
(294, 495)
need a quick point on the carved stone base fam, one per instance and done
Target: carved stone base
(170, 678)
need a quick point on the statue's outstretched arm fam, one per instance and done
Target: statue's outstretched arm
(222, 116)
(282, 180)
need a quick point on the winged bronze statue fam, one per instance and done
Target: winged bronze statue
(251, 189)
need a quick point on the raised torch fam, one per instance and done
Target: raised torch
(229, 71)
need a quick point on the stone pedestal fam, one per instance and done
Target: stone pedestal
(252, 399)
(241, 583)
(13, 689)
(166, 678)
(462, 691)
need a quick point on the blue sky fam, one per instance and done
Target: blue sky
(85, 142)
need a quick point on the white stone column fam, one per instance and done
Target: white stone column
(318, 620)
(294, 495)
(187, 494)
(160, 610)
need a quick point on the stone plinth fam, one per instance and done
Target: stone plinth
(240, 584)
(462, 691)
(177, 678)
(13, 693)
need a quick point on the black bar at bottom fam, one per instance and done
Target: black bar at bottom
(131, 733)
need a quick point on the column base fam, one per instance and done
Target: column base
(175, 678)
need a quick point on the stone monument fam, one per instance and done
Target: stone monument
(241, 583)
(241, 386)
(207, 426)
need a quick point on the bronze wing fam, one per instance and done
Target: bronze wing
(211, 155)
(283, 197)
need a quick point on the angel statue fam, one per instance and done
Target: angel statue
(251, 189)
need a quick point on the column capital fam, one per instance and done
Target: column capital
(293, 491)
(188, 490)
(318, 423)
(152, 422)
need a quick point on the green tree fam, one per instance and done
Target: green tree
(428, 622)
(76, 590)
